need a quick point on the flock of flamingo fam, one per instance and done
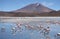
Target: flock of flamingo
(40, 28)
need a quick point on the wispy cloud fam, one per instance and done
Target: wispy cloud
(47, 3)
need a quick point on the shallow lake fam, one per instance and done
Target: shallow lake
(25, 33)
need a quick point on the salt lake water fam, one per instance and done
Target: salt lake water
(25, 33)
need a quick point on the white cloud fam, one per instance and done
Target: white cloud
(47, 3)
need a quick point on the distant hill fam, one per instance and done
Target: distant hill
(20, 14)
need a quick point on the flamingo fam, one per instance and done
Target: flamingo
(58, 34)
(46, 30)
(39, 27)
(19, 26)
(13, 30)
(29, 27)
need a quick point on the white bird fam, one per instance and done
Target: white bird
(58, 34)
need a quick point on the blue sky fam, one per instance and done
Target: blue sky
(9, 5)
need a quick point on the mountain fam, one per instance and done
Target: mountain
(34, 8)
(31, 10)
